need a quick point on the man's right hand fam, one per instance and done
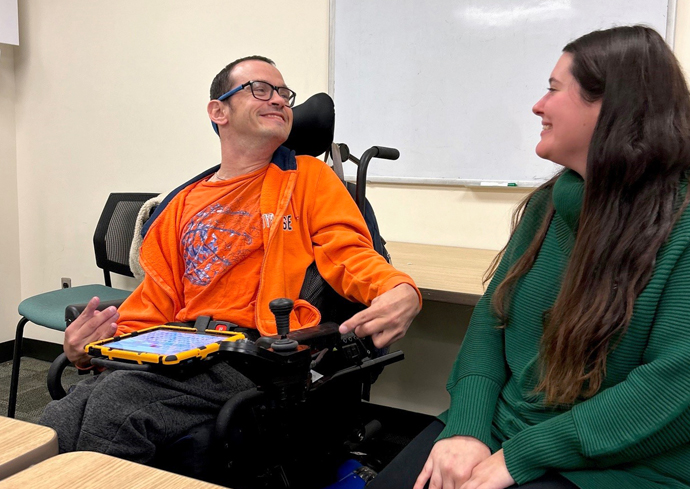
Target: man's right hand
(91, 325)
(451, 461)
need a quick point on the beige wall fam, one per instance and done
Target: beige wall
(682, 35)
(10, 278)
(110, 96)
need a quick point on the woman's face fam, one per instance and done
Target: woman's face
(567, 119)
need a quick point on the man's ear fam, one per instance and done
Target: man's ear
(216, 112)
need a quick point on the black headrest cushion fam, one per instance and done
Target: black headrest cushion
(313, 125)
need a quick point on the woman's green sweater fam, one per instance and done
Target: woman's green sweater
(635, 432)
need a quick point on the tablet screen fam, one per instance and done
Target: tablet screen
(164, 342)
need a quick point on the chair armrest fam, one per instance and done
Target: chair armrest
(55, 376)
(73, 311)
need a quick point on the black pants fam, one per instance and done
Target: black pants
(403, 471)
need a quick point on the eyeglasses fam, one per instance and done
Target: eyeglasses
(262, 90)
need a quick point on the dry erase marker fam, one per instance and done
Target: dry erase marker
(498, 184)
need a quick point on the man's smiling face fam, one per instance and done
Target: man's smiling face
(250, 117)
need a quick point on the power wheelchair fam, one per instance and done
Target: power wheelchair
(306, 407)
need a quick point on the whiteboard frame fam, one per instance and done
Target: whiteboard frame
(456, 182)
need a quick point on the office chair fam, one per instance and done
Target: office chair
(111, 242)
(286, 393)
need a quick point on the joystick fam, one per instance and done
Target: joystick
(281, 309)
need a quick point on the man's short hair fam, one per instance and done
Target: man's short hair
(223, 82)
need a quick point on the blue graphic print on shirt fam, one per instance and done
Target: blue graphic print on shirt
(215, 240)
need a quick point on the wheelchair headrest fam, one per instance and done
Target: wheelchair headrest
(312, 126)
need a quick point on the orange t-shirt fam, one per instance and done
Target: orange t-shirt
(222, 247)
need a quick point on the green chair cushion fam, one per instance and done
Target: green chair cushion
(48, 309)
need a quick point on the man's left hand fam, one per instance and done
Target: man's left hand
(388, 317)
(492, 473)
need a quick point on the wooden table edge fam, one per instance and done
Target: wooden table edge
(461, 298)
(32, 457)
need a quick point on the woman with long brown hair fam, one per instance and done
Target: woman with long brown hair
(575, 370)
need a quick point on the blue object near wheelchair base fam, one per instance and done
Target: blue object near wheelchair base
(352, 475)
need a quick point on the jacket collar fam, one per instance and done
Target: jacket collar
(284, 158)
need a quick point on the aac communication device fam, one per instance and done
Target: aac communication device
(162, 345)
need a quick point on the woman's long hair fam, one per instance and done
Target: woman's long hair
(639, 153)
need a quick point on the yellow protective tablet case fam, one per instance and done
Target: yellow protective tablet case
(108, 347)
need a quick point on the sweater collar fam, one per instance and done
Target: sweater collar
(568, 192)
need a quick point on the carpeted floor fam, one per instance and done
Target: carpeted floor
(33, 394)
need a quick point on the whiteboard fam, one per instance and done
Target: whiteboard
(9, 24)
(451, 83)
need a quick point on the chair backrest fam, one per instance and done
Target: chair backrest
(114, 232)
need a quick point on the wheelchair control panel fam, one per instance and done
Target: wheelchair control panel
(291, 362)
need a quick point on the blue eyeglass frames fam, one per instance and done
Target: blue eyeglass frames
(261, 90)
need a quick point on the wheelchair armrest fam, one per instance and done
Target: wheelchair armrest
(366, 366)
(73, 311)
(324, 335)
(55, 376)
(230, 409)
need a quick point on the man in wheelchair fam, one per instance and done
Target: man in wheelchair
(224, 245)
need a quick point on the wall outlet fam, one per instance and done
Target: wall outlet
(65, 282)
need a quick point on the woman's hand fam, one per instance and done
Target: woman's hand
(451, 462)
(491, 473)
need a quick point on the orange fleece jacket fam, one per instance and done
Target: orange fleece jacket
(307, 216)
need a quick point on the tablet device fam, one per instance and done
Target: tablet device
(162, 345)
